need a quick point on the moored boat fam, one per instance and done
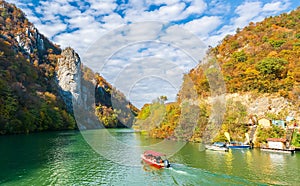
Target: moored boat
(238, 145)
(155, 159)
(217, 146)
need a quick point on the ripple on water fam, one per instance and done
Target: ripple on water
(66, 159)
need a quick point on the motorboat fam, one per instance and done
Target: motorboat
(155, 159)
(238, 145)
(217, 146)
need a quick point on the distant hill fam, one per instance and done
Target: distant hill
(263, 57)
(35, 92)
(254, 73)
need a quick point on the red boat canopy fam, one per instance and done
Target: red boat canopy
(153, 153)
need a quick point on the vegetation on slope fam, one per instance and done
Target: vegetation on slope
(28, 102)
(262, 58)
(111, 106)
(29, 95)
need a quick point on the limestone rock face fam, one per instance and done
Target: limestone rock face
(68, 75)
(266, 103)
(30, 40)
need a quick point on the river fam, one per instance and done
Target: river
(94, 158)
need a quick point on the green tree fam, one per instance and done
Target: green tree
(272, 67)
(240, 56)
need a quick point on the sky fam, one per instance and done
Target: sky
(143, 47)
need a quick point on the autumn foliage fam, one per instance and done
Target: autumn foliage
(261, 58)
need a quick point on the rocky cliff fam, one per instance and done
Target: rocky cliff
(40, 82)
(68, 75)
(30, 100)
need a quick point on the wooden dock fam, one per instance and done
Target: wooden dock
(297, 149)
(288, 151)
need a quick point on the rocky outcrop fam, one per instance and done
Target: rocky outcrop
(41, 76)
(262, 104)
(30, 40)
(23, 36)
(69, 75)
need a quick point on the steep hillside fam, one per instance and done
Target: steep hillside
(263, 57)
(39, 81)
(254, 73)
(28, 101)
(29, 95)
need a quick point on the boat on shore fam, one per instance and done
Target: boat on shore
(155, 159)
(217, 146)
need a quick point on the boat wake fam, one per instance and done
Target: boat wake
(195, 176)
(181, 169)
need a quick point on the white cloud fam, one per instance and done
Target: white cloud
(160, 2)
(49, 30)
(217, 7)
(165, 13)
(147, 89)
(196, 7)
(246, 12)
(175, 10)
(102, 7)
(276, 6)
(203, 26)
(82, 22)
(214, 39)
(132, 78)
(186, 41)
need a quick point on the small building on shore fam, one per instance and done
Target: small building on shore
(279, 123)
(278, 143)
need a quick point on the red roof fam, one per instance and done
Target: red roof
(277, 139)
(153, 153)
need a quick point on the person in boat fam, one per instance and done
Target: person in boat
(158, 159)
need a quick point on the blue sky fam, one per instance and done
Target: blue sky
(128, 54)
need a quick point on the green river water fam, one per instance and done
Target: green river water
(65, 158)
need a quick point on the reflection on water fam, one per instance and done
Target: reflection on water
(249, 158)
(62, 158)
(277, 158)
(228, 162)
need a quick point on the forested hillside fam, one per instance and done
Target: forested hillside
(263, 57)
(260, 69)
(28, 100)
(31, 96)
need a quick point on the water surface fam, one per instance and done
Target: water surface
(65, 158)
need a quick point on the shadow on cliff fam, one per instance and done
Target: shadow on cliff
(110, 102)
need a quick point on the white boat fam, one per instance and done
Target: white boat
(217, 146)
